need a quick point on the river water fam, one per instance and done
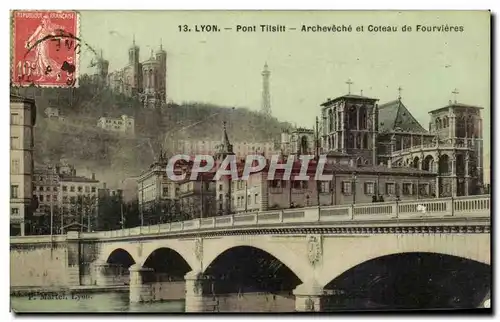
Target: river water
(119, 302)
(89, 303)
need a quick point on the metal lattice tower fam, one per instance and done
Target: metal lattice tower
(266, 96)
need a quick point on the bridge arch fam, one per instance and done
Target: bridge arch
(112, 249)
(167, 264)
(413, 280)
(475, 247)
(243, 269)
(120, 256)
(278, 250)
(185, 252)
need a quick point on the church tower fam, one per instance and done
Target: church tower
(132, 76)
(351, 126)
(102, 69)
(223, 190)
(459, 157)
(266, 96)
(161, 86)
(133, 53)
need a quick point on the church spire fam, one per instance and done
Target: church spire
(226, 147)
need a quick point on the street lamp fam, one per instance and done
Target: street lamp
(354, 177)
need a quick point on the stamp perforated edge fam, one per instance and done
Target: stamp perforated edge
(13, 52)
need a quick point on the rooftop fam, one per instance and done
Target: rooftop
(394, 115)
(455, 104)
(71, 178)
(311, 171)
(348, 96)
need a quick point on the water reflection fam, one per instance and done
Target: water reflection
(98, 302)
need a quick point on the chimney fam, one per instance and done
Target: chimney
(93, 176)
(73, 172)
(389, 163)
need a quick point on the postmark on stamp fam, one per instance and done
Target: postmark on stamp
(45, 48)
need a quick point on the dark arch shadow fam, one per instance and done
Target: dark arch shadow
(246, 269)
(167, 264)
(120, 261)
(120, 257)
(411, 281)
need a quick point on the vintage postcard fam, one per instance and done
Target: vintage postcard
(249, 161)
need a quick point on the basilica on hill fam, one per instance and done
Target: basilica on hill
(146, 80)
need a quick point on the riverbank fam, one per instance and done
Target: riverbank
(83, 289)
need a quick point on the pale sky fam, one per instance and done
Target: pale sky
(306, 68)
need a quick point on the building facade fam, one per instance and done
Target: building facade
(241, 149)
(350, 185)
(78, 201)
(124, 124)
(22, 122)
(64, 195)
(298, 141)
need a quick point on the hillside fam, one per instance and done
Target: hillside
(113, 157)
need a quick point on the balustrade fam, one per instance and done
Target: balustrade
(461, 206)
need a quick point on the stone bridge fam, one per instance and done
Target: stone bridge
(303, 254)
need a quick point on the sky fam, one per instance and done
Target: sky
(306, 67)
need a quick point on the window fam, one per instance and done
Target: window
(324, 186)
(346, 187)
(14, 118)
(14, 142)
(249, 200)
(220, 196)
(424, 189)
(92, 189)
(72, 199)
(14, 189)
(14, 168)
(64, 188)
(275, 184)
(407, 188)
(256, 198)
(369, 188)
(65, 199)
(54, 198)
(14, 211)
(41, 198)
(390, 188)
(80, 189)
(87, 189)
(72, 188)
(220, 187)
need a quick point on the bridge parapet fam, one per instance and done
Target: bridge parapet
(387, 212)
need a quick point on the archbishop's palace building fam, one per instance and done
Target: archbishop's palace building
(356, 129)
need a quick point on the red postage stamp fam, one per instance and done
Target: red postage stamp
(45, 48)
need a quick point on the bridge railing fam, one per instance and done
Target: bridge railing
(470, 206)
